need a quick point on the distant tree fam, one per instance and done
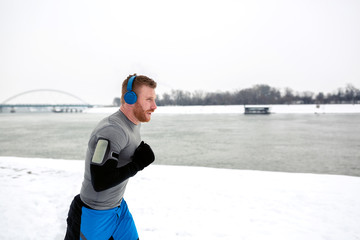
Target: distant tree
(351, 93)
(288, 96)
(264, 94)
(181, 97)
(307, 97)
(320, 98)
(211, 99)
(117, 102)
(258, 94)
(245, 96)
(166, 98)
(198, 97)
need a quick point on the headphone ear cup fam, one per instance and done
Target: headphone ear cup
(130, 97)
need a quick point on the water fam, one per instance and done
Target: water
(310, 143)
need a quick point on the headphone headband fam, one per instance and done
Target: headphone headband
(130, 83)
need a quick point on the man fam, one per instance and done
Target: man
(115, 153)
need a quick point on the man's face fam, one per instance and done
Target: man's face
(145, 104)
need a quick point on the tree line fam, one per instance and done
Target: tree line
(259, 94)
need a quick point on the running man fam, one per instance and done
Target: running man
(115, 153)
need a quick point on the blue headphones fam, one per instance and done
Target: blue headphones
(130, 96)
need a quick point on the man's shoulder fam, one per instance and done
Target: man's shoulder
(110, 126)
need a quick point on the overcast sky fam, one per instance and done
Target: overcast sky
(88, 47)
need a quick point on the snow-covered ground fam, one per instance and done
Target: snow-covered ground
(302, 108)
(172, 202)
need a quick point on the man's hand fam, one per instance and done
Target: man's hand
(143, 156)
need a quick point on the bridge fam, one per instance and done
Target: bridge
(12, 105)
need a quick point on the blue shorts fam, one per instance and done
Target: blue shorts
(116, 223)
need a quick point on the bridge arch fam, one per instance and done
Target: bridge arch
(44, 90)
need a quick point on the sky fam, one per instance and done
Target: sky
(87, 48)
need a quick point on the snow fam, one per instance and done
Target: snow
(231, 109)
(173, 202)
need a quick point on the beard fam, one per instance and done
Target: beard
(141, 114)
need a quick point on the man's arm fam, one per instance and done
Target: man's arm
(108, 175)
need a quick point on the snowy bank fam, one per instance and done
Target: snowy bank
(172, 202)
(239, 109)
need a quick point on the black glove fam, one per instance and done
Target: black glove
(143, 156)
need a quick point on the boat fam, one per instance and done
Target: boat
(256, 110)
